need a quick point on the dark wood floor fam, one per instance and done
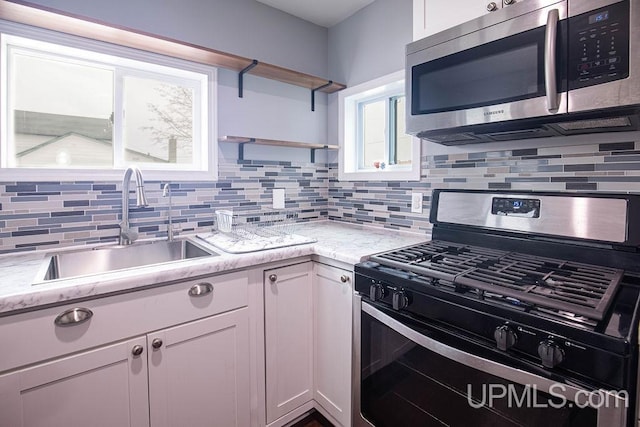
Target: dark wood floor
(315, 419)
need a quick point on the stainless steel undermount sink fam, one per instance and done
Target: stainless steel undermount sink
(106, 259)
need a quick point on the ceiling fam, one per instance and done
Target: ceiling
(325, 13)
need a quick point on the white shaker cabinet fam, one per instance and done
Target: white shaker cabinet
(199, 373)
(103, 387)
(173, 355)
(332, 295)
(433, 16)
(288, 338)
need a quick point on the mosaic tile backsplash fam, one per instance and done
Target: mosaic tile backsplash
(43, 215)
(46, 215)
(611, 167)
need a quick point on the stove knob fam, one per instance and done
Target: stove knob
(505, 337)
(376, 292)
(550, 353)
(399, 300)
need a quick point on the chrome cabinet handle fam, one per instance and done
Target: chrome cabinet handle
(201, 289)
(551, 84)
(156, 343)
(273, 277)
(73, 316)
(344, 278)
(137, 350)
(492, 7)
(509, 2)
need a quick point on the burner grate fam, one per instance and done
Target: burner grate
(547, 283)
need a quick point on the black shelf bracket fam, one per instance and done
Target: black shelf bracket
(313, 152)
(313, 94)
(241, 76)
(241, 148)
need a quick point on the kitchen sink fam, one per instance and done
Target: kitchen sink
(105, 259)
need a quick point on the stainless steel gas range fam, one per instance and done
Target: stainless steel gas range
(523, 310)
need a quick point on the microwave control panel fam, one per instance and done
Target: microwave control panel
(599, 46)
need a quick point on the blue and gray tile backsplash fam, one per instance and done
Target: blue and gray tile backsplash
(46, 215)
(607, 167)
(43, 215)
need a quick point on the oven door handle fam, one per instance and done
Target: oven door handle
(611, 405)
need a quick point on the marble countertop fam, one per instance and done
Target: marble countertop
(348, 243)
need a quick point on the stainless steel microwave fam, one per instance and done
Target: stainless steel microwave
(538, 68)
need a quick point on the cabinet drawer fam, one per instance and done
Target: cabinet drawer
(34, 336)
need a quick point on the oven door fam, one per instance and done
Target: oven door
(411, 374)
(508, 70)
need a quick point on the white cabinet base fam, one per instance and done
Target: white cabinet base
(201, 373)
(104, 387)
(288, 338)
(332, 297)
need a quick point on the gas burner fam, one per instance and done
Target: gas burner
(523, 280)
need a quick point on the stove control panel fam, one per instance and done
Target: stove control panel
(505, 337)
(399, 299)
(376, 292)
(550, 353)
(527, 208)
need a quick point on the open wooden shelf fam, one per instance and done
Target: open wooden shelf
(277, 142)
(52, 19)
(242, 140)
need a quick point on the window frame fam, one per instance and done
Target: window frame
(349, 116)
(207, 151)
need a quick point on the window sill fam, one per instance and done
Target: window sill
(381, 175)
(74, 175)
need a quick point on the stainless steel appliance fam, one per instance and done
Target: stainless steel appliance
(522, 310)
(534, 69)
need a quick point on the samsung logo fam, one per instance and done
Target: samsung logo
(493, 113)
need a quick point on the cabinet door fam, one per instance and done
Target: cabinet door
(104, 387)
(433, 16)
(199, 373)
(288, 338)
(332, 295)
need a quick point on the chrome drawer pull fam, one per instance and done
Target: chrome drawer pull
(73, 316)
(344, 278)
(201, 289)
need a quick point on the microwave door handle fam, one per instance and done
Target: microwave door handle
(551, 83)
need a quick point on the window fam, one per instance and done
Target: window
(373, 141)
(73, 106)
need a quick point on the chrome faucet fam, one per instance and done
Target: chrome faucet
(166, 191)
(127, 235)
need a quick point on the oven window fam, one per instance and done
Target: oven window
(404, 384)
(505, 70)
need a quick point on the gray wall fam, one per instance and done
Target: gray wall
(371, 42)
(242, 27)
